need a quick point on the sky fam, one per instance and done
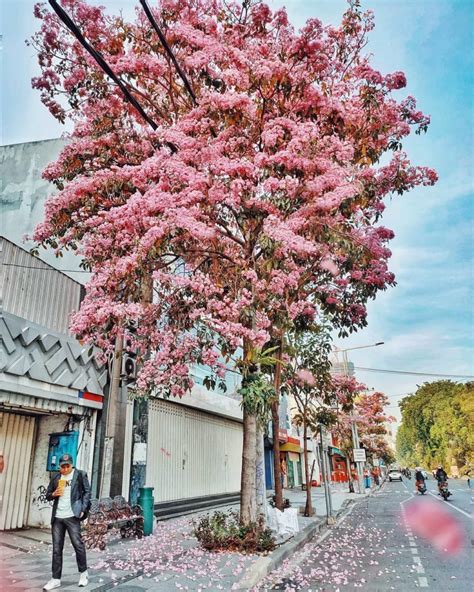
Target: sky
(427, 321)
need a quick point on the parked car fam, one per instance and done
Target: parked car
(394, 475)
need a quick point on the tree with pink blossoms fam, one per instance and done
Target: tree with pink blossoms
(369, 413)
(244, 188)
(308, 383)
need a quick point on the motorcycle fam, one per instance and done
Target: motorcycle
(421, 487)
(443, 490)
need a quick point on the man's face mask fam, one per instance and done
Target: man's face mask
(65, 469)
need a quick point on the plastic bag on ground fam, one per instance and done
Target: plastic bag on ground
(283, 524)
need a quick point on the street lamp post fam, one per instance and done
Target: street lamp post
(355, 433)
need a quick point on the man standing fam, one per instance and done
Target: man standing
(70, 492)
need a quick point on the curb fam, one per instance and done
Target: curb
(264, 565)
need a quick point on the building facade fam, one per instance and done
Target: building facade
(51, 386)
(187, 448)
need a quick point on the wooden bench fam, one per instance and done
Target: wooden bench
(106, 514)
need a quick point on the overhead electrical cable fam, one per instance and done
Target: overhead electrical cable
(168, 50)
(98, 57)
(384, 370)
(51, 268)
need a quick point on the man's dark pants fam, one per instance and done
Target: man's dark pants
(73, 527)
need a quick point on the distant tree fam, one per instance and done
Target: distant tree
(371, 418)
(437, 425)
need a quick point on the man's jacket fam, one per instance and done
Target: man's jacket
(80, 494)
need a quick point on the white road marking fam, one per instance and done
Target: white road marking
(422, 580)
(406, 487)
(407, 500)
(454, 507)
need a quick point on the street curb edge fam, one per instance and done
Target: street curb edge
(264, 565)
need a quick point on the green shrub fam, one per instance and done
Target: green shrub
(223, 531)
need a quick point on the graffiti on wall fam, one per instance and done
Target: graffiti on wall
(39, 499)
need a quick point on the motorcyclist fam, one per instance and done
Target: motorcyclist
(419, 475)
(441, 474)
(419, 479)
(441, 477)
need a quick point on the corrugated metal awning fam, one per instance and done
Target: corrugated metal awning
(17, 402)
(335, 450)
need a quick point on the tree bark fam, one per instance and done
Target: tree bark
(276, 429)
(308, 511)
(260, 489)
(248, 498)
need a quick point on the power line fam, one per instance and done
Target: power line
(46, 268)
(384, 370)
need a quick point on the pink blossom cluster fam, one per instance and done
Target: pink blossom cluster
(243, 212)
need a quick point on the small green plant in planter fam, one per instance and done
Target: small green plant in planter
(222, 531)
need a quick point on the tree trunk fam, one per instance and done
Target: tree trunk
(260, 489)
(276, 429)
(248, 498)
(308, 511)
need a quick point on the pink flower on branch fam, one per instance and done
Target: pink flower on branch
(266, 210)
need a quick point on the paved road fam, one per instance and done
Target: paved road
(371, 549)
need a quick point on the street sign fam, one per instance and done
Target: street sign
(359, 455)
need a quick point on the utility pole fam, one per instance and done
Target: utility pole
(324, 471)
(355, 434)
(111, 420)
(356, 444)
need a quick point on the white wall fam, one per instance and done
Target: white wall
(24, 193)
(40, 509)
(191, 453)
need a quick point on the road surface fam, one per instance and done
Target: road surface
(370, 548)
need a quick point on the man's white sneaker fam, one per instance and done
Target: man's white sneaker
(52, 584)
(84, 579)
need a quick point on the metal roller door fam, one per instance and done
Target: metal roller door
(16, 443)
(191, 453)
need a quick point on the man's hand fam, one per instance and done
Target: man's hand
(56, 493)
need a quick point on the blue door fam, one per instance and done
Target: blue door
(268, 468)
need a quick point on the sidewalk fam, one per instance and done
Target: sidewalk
(169, 560)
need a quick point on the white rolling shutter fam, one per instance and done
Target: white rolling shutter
(191, 453)
(16, 443)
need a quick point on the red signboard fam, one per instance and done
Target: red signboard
(282, 435)
(294, 440)
(91, 396)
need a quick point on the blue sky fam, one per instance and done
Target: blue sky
(427, 321)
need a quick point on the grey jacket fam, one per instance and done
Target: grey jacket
(80, 494)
